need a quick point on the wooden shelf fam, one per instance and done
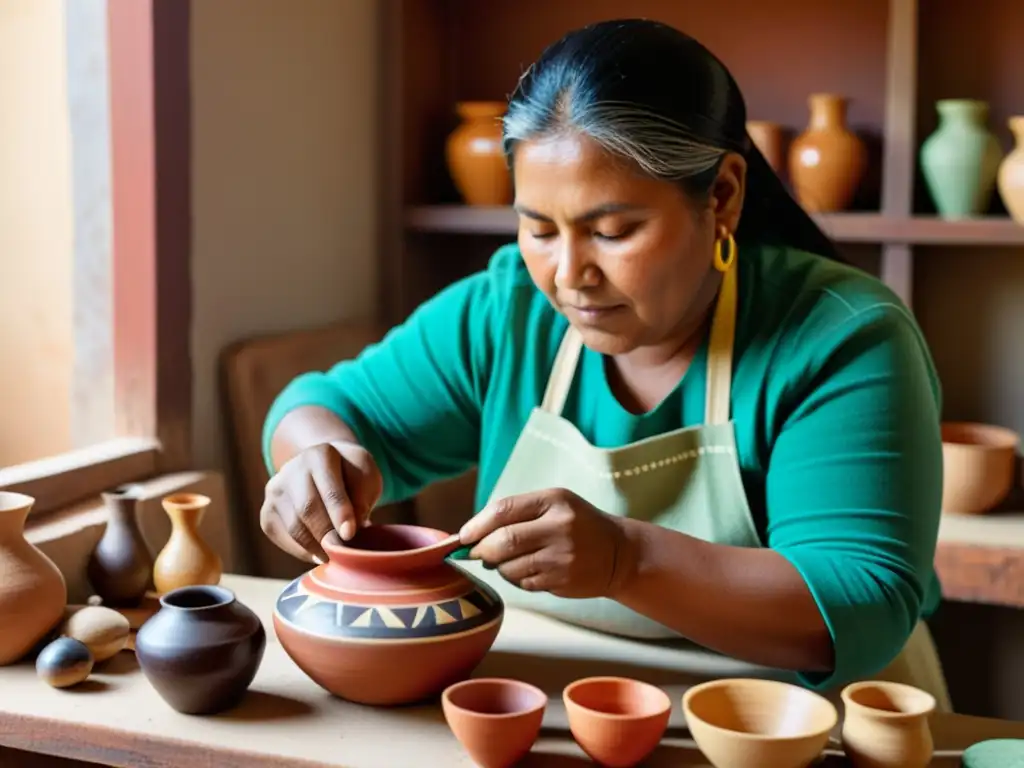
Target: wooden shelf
(980, 558)
(843, 227)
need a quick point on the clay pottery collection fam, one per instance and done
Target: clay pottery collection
(496, 720)
(120, 567)
(475, 157)
(618, 722)
(960, 160)
(186, 559)
(33, 592)
(387, 620)
(769, 138)
(1011, 173)
(979, 463)
(64, 662)
(886, 725)
(103, 631)
(827, 161)
(744, 722)
(201, 650)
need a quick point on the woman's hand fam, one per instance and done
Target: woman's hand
(550, 541)
(326, 487)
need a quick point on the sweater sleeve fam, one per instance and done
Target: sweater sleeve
(854, 485)
(414, 400)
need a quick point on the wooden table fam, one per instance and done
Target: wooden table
(286, 721)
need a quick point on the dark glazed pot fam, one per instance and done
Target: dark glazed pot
(201, 650)
(120, 566)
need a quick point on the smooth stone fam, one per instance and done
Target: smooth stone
(64, 662)
(994, 753)
(103, 630)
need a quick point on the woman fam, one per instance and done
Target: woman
(689, 419)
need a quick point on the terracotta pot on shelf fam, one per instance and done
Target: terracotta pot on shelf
(201, 650)
(979, 466)
(960, 160)
(886, 725)
(1011, 173)
(387, 620)
(120, 567)
(186, 559)
(474, 154)
(33, 592)
(827, 161)
(768, 137)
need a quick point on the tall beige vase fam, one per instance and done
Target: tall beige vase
(33, 592)
(1011, 173)
(186, 559)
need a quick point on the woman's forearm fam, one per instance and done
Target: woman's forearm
(747, 603)
(305, 427)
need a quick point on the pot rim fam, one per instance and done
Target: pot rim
(568, 697)
(505, 682)
(926, 704)
(12, 501)
(222, 597)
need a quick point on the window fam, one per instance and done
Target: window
(110, 88)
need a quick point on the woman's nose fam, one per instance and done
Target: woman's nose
(574, 270)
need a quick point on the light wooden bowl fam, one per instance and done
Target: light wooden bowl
(739, 722)
(979, 464)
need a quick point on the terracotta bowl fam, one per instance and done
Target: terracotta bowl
(617, 721)
(496, 720)
(979, 462)
(742, 722)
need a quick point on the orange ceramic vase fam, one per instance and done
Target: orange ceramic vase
(1011, 173)
(387, 620)
(827, 161)
(186, 560)
(33, 592)
(475, 157)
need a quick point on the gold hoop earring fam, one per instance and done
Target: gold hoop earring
(725, 264)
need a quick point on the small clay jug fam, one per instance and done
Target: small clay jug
(827, 161)
(120, 567)
(960, 160)
(886, 725)
(33, 592)
(186, 559)
(475, 157)
(201, 650)
(1011, 173)
(769, 139)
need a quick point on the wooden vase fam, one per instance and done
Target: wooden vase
(33, 592)
(475, 157)
(827, 161)
(186, 559)
(120, 567)
(1011, 173)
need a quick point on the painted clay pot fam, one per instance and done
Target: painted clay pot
(120, 567)
(827, 161)
(886, 725)
(201, 650)
(475, 157)
(33, 592)
(960, 160)
(387, 620)
(186, 559)
(769, 139)
(1011, 173)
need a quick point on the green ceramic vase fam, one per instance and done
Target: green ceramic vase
(960, 159)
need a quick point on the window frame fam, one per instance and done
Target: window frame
(150, 144)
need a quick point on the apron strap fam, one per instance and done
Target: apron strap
(562, 372)
(719, 387)
(723, 333)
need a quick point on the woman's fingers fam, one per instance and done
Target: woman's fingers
(329, 489)
(503, 512)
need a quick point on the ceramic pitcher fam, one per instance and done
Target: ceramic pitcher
(960, 159)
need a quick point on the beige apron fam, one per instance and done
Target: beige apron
(687, 480)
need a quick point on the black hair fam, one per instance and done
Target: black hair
(650, 93)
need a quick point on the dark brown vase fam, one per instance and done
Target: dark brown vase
(201, 650)
(120, 567)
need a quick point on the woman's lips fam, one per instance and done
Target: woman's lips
(595, 313)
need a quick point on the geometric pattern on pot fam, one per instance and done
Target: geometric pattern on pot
(313, 611)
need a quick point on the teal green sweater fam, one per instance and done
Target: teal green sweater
(835, 400)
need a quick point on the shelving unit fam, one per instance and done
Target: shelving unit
(880, 53)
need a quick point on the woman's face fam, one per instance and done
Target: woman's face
(626, 258)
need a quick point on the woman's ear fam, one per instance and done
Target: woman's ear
(727, 192)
